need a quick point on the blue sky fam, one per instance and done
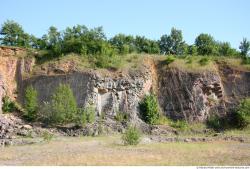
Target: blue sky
(226, 20)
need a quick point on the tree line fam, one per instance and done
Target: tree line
(82, 40)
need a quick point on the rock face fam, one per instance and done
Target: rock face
(190, 96)
(12, 67)
(109, 94)
(196, 96)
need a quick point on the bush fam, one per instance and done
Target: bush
(8, 105)
(217, 123)
(241, 118)
(149, 109)
(131, 136)
(81, 117)
(30, 103)
(47, 136)
(86, 115)
(63, 107)
(90, 113)
(204, 61)
(170, 59)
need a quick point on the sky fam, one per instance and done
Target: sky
(225, 20)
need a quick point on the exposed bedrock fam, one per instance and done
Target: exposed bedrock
(182, 94)
(108, 94)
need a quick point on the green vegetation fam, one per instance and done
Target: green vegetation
(170, 59)
(238, 119)
(179, 124)
(131, 136)
(121, 117)
(204, 61)
(205, 44)
(242, 115)
(244, 47)
(62, 108)
(47, 136)
(93, 45)
(30, 103)
(149, 109)
(8, 105)
(172, 44)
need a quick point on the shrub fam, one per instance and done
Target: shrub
(81, 117)
(47, 136)
(149, 109)
(63, 107)
(131, 136)
(121, 117)
(204, 61)
(30, 104)
(86, 115)
(217, 123)
(241, 118)
(8, 105)
(90, 113)
(170, 59)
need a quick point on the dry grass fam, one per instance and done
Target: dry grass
(109, 151)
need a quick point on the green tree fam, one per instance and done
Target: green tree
(13, 34)
(173, 43)
(149, 109)
(242, 116)
(192, 50)
(225, 49)
(144, 45)
(124, 44)
(63, 105)
(30, 103)
(244, 47)
(205, 44)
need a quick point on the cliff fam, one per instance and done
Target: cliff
(182, 94)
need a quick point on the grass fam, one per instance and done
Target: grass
(134, 61)
(109, 151)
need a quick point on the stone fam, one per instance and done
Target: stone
(26, 126)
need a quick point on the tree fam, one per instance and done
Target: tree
(192, 50)
(205, 44)
(244, 47)
(172, 44)
(63, 107)
(13, 34)
(144, 45)
(224, 49)
(54, 40)
(30, 103)
(124, 43)
(149, 109)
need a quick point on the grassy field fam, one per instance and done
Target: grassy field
(110, 151)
